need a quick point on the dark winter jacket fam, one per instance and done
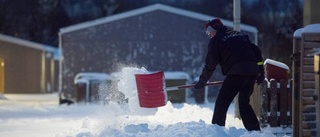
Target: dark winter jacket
(234, 52)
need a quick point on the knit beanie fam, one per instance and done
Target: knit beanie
(216, 24)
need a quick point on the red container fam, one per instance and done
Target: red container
(276, 70)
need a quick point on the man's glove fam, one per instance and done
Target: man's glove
(204, 77)
(198, 86)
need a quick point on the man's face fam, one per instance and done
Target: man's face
(210, 32)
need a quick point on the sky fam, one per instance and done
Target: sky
(40, 115)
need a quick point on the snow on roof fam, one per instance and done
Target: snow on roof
(297, 33)
(27, 43)
(313, 28)
(150, 8)
(276, 63)
(176, 75)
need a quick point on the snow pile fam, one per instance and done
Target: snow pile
(187, 121)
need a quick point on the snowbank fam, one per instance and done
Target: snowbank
(114, 120)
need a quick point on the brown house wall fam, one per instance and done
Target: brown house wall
(156, 40)
(22, 67)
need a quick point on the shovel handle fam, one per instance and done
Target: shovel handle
(192, 85)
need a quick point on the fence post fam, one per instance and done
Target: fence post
(273, 119)
(283, 103)
(296, 63)
(289, 118)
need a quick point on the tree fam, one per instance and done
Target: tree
(276, 21)
(15, 15)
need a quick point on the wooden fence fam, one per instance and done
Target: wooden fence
(275, 99)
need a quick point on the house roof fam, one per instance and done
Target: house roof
(151, 8)
(28, 44)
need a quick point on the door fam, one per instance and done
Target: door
(1, 75)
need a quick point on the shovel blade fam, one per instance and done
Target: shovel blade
(151, 93)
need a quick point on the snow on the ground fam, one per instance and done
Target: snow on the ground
(40, 115)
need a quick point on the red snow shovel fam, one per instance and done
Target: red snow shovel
(152, 91)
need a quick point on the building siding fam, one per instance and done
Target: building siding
(27, 66)
(155, 40)
(21, 68)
